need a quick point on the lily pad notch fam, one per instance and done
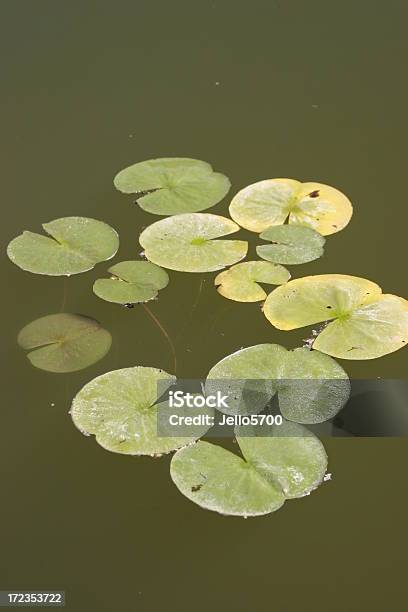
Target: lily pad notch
(171, 185)
(359, 321)
(73, 245)
(190, 243)
(131, 282)
(64, 342)
(287, 465)
(277, 201)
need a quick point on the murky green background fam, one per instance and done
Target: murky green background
(312, 90)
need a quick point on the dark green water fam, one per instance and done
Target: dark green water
(310, 90)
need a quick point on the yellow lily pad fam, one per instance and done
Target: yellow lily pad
(361, 321)
(275, 201)
(241, 282)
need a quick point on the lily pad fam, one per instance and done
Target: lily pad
(241, 282)
(187, 243)
(218, 480)
(171, 186)
(311, 386)
(360, 321)
(291, 244)
(73, 245)
(290, 463)
(64, 342)
(290, 455)
(273, 201)
(131, 282)
(121, 407)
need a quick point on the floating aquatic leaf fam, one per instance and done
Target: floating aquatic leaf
(363, 323)
(311, 386)
(274, 201)
(289, 455)
(131, 282)
(186, 243)
(291, 244)
(64, 342)
(216, 479)
(74, 245)
(290, 463)
(120, 408)
(241, 282)
(170, 186)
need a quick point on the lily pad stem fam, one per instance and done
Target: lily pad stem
(165, 334)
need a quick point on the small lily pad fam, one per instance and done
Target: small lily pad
(120, 408)
(64, 342)
(291, 244)
(273, 201)
(242, 282)
(74, 245)
(131, 282)
(311, 386)
(187, 243)
(290, 463)
(172, 186)
(360, 321)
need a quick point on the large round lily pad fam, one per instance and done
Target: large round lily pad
(131, 282)
(273, 201)
(73, 245)
(121, 409)
(311, 386)
(242, 282)
(171, 186)
(289, 463)
(363, 323)
(187, 243)
(291, 244)
(64, 342)
(218, 480)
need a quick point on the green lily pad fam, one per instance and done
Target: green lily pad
(289, 455)
(121, 408)
(292, 244)
(171, 186)
(64, 342)
(131, 282)
(290, 463)
(187, 243)
(216, 479)
(74, 245)
(311, 386)
(241, 282)
(362, 322)
(272, 202)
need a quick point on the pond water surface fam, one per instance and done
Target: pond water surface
(309, 90)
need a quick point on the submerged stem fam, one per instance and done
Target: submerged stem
(165, 334)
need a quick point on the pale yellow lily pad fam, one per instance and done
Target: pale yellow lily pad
(275, 201)
(362, 322)
(242, 281)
